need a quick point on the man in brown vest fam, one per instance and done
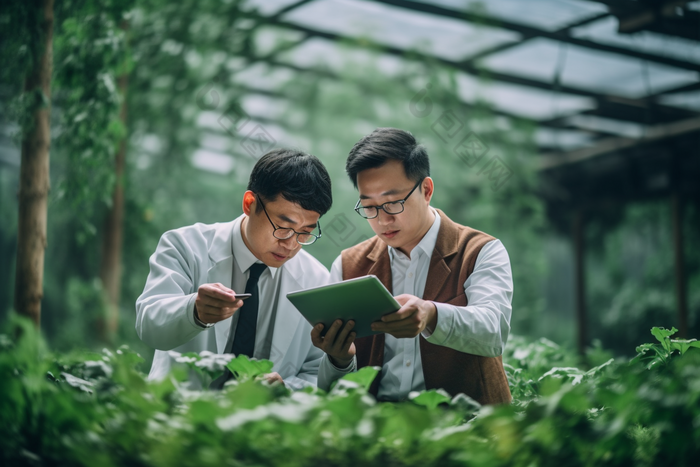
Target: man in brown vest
(453, 283)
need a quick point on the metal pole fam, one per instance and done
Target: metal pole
(681, 295)
(580, 279)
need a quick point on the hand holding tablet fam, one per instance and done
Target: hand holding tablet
(363, 300)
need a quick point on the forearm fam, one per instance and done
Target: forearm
(482, 326)
(478, 330)
(166, 322)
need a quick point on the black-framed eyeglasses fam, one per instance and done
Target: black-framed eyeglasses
(303, 238)
(392, 207)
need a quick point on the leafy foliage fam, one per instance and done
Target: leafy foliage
(660, 354)
(98, 409)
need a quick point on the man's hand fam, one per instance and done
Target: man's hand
(337, 343)
(215, 303)
(273, 378)
(410, 320)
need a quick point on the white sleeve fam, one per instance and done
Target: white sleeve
(327, 372)
(481, 327)
(337, 270)
(165, 309)
(308, 373)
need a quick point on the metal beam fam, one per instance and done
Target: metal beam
(470, 68)
(608, 145)
(530, 32)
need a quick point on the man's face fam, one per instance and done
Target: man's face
(389, 183)
(257, 230)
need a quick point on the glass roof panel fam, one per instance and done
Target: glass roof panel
(325, 54)
(267, 7)
(588, 69)
(447, 38)
(211, 161)
(263, 76)
(604, 31)
(267, 39)
(522, 101)
(562, 139)
(686, 100)
(542, 14)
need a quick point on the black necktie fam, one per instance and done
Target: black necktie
(244, 339)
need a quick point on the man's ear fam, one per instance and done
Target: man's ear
(248, 202)
(428, 188)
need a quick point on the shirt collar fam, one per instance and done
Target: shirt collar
(427, 243)
(242, 255)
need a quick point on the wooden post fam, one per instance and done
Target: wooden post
(34, 175)
(111, 265)
(580, 278)
(681, 295)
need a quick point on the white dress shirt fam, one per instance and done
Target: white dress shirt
(480, 328)
(268, 292)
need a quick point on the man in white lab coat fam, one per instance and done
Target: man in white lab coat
(189, 302)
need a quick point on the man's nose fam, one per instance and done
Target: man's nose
(290, 243)
(384, 218)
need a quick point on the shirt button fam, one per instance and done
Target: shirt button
(410, 274)
(408, 363)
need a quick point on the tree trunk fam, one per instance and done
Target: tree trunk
(111, 267)
(34, 177)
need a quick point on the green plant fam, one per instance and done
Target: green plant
(660, 354)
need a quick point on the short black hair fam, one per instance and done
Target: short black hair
(383, 144)
(299, 177)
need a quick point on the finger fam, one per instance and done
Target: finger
(316, 338)
(215, 302)
(222, 287)
(403, 313)
(329, 338)
(348, 342)
(403, 298)
(214, 314)
(215, 292)
(342, 337)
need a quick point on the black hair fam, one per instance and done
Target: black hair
(383, 144)
(299, 177)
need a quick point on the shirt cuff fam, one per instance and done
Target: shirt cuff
(348, 369)
(445, 322)
(336, 373)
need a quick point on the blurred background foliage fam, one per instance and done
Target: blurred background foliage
(189, 69)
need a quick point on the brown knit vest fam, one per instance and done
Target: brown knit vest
(456, 249)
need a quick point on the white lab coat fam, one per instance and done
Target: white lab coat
(201, 254)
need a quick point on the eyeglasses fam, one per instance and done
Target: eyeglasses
(303, 238)
(392, 207)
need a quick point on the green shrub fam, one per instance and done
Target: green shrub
(97, 409)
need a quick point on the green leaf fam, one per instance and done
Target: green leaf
(363, 377)
(244, 368)
(431, 399)
(662, 334)
(682, 345)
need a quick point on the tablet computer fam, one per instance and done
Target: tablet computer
(362, 299)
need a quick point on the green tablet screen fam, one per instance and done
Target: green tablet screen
(363, 299)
